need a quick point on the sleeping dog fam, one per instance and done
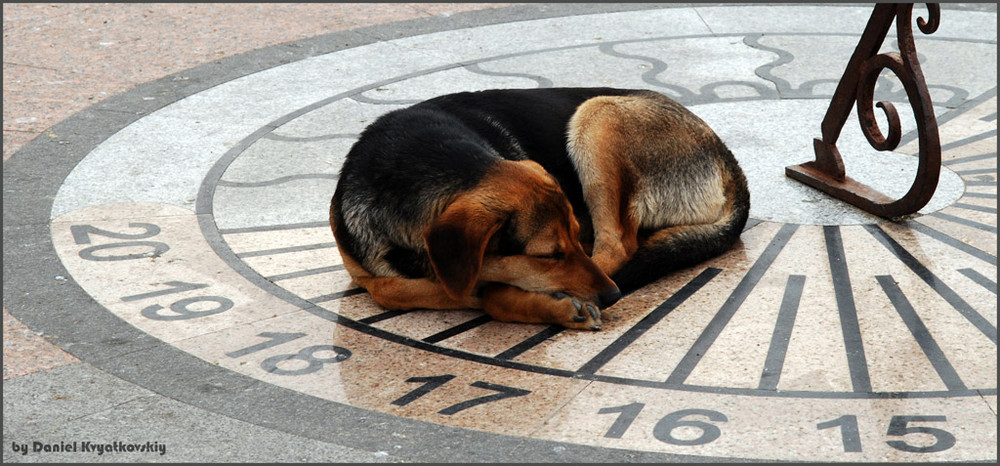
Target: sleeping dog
(535, 205)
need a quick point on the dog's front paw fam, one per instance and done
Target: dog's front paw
(507, 303)
(574, 313)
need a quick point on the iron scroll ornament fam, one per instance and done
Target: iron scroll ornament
(857, 85)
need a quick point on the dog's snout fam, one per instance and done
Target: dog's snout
(608, 297)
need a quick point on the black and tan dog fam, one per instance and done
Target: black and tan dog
(537, 205)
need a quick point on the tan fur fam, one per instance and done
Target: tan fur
(613, 142)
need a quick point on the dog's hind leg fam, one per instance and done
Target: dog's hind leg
(647, 165)
(679, 246)
(596, 141)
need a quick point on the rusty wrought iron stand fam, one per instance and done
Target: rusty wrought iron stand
(857, 84)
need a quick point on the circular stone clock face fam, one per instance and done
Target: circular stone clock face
(826, 334)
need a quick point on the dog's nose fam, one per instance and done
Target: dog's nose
(608, 297)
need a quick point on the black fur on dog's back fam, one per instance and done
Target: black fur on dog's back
(519, 124)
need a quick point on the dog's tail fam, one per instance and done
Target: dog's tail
(682, 246)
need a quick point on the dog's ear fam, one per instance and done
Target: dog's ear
(456, 243)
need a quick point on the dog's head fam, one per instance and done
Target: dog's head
(515, 227)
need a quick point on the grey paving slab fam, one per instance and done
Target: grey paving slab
(793, 19)
(557, 33)
(84, 409)
(964, 23)
(350, 115)
(288, 156)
